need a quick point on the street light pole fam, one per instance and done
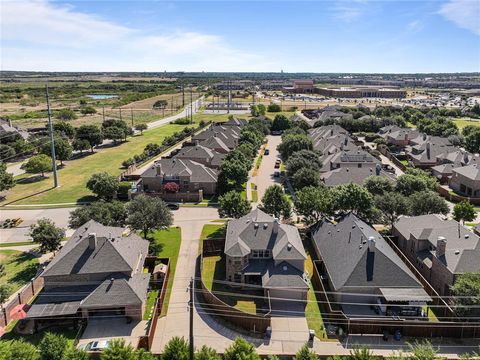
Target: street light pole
(52, 141)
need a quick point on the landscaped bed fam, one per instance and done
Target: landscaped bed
(20, 268)
(151, 298)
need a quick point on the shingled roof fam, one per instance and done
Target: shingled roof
(351, 261)
(182, 167)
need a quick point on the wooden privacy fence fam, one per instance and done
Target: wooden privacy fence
(453, 197)
(24, 296)
(146, 341)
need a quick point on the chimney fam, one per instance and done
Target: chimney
(275, 226)
(424, 136)
(92, 241)
(158, 170)
(371, 243)
(378, 169)
(345, 141)
(428, 150)
(465, 158)
(441, 246)
(10, 122)
(331, 132)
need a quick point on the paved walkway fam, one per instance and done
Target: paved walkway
(185, 112)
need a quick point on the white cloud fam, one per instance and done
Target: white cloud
(40, 35)
(464, 13)
(415, 26)
(349, 10)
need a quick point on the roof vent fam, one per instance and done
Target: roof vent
(285, 268)
(255, 225)
(265, 225)
(353, 226)
(112, 280)
(457, 252)
(289, 246)
(467, 236)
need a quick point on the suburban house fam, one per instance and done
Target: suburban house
(229, 135)
(349, 159)
(6, 128)
(261, 251)
(395, 135)
(440, 249)
(98, 272)
(346, 175)
(190, 176)
(424, 154)
(465, 180)
(201, 154)
(364, 272)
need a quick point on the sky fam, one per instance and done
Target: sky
(348, 36)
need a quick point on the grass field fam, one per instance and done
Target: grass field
(167, 245)
(312, 310)
(20, 268)
(75, 174)
(213, 231)
(461, 123)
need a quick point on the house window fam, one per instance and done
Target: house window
(260, 254)
(359, 165)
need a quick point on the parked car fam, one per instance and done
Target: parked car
(266, 152)
(173, 206)
(95, 345)
(277, 164)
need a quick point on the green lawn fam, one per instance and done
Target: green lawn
(312, 310)
(213, 231)
(20, 268)
(70, 334)
(254, 193)
(461, 123)
(167, 244)
(151, 297)
(214, 269)
(75, 174)
(20, 243)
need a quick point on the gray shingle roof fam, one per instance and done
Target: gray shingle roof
(211, 156)
(462, 252)
(113, 252)
(354, 175)
(182, 167)
(345, 251)
(470, 171)
(283, 275)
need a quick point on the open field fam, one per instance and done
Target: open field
(20, 268)
(461, 123)
(74, 175)
(167, 245)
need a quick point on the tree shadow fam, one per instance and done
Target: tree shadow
(156, 248)
(32, 179)
(26, 274)
(28, 196)
(86, 199)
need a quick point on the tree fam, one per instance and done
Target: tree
(38, 164)
(352, 197)
(464, 211)
(147, 213)
(303, 159)
(207, 353)
(81, 145)
(171, 187)
(142, 354)
(4, 292)
(6, 179)
(466, 290)
(378, 185)
(116, 350)
(422, 351)
(254, 110)
(65, 114)
(232, 205)
(472, 141)
(63, 149)
(246, 149)
(160, 104)
(280, 123)
(6, 152)
(88, 110)
(262, 110)
(232, 175)
(313, 203)
(274, 108)
(305, 354)
(392, 205)
(306, 177)
(90, 133)
(45, 233)
(103, 185)
(72, 353)
(240, 349)
(18, 350)
(113, 133)
(176, 349)
(427, 202)
(52, 346)
(408, 184)
(141, 127)
(64, 128)
(276, 203)
(106, 213)
(292, 143)
(361, 353)
(250, 137)
(120, 124)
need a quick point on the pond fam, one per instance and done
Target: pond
(101, 96)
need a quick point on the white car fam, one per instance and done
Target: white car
(95, 345)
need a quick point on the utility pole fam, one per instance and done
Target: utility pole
(120, 113)
(131, 113)
(103, 112)
(183, 96)
(191, 105)
(190, 304)
(52, 141)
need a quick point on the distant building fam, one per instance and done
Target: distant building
(6, 128)
(366, 92)
(301, 86)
